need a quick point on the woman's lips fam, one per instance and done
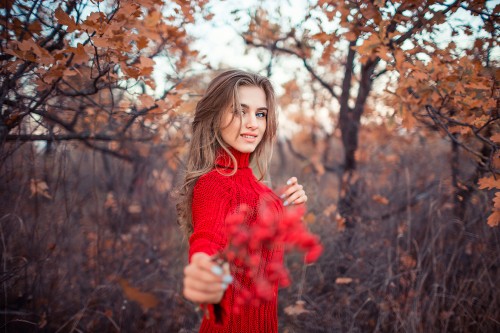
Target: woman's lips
(249, 137)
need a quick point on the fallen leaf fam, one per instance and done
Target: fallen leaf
(407, 261)
(380, 199)
(296, 309)
(340, 222)
(343, 280)
(134, 208)
(310, 218)
(329, 210)
(145, 300)
(39, 187)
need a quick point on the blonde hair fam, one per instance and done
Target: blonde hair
(206, 140)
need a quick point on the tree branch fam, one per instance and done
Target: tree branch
(347, 81)
(325, 84)
(419, 24)
(302, 157)
(432, 113)
(71, 136)
(364, 87)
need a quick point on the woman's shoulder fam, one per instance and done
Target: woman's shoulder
(214, 181)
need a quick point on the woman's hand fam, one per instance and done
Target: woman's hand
(204, 280)
(294, 193)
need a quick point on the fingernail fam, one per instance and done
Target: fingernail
(285, 203)
(216, 270)
(224, 286)
(227, 279)
(289, 182)
(283, 195)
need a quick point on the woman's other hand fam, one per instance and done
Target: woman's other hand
(204, 280)
(294, 193)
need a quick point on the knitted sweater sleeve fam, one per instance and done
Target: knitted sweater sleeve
(210, 206)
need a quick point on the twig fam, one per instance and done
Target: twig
(430, 110)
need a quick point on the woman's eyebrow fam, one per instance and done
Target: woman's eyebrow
(261, 108)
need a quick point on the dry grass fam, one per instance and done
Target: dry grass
(72, 262)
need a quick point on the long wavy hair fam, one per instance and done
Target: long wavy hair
(206, 140)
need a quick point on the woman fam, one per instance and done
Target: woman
(234, 124)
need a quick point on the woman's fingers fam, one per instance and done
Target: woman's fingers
(203, 268)
(294, 194)
(195, 272)
(290, 190)
(204, 280)
(203, 286)
(298, 197)
(291, 181)
(202, 297)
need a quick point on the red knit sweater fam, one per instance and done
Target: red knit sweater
(215, 195)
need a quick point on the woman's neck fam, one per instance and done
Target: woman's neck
(224, 160)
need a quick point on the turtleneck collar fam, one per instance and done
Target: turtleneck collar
(224, 160)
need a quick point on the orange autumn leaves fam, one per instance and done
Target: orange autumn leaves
(435, 79)
(114, 47)
(108, 38)
(489, 183)
(118, 36)
(458, 96)
(88, 75)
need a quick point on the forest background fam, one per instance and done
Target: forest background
(389, 117)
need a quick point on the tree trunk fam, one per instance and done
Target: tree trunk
(349, 122)
(348, 127)
(4, 130)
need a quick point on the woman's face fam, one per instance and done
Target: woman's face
(246, 132)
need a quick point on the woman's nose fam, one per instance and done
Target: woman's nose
(251, 121)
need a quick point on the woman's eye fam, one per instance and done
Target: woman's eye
(261, 115)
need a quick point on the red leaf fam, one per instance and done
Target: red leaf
(65, 19)
(489, 183)
(313, 254)
(351, 36)
(80, 55)
(142, 42)
(494, 219)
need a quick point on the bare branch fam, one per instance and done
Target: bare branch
(71, 136)
(325, 84)
(302, 157)
(432, 113)
(419, 24)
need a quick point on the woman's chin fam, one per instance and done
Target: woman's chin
(245, 148)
